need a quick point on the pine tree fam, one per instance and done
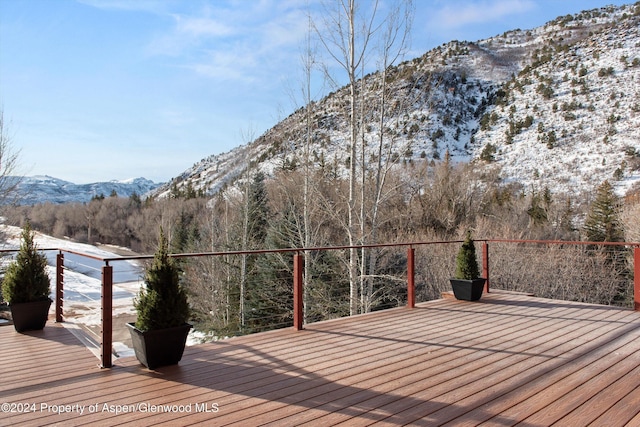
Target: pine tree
(185, 233)
(270, 289)
(258, 212)
(603, 224)
(536, 212)
(603, 220)
(254, 234)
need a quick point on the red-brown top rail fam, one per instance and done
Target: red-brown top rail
(107, 273)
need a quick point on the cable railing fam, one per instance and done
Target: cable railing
(312, 284)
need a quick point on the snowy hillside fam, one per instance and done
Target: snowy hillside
(554, 106)
(43, 189)
(581, 93)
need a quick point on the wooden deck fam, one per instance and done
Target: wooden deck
(509, 359)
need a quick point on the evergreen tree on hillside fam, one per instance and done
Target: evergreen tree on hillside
(258, 212)
(539, 209)
(254, 236)
(270, 288)
(603, 220)
(186, 233)
(603, 224)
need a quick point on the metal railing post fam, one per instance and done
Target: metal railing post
(411, 284)
(59, 286)
(485, 264)
(297, 291)
(107, 316)
(636, 278)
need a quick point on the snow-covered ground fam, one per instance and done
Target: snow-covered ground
(82, 290)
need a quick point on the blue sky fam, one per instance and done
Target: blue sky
(95, 90)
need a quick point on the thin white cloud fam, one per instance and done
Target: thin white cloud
(234, 41)
(202, 27)
(456, 15)
(286, 29)
(154, 6)
(225, 65)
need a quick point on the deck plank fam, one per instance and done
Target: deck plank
(527, 360)
(307, 393)
(532, 379)
(602, 401)
(498, 354)
(464, 394)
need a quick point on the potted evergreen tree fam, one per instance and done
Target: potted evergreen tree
(467, 284)
(26, 286)
(160, 332)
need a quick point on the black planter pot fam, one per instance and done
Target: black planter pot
(467, 290)
(160, 347)
(30, 316)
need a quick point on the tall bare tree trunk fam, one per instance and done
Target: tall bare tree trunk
(347, 38)
(243, 259)
(353, 253)
(308, 65)
(394, 42)
(247, 136)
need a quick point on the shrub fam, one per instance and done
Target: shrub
(26, 278)
(484, 122)
(545, 90)
(488, 153)
(466, 262)
(604, 72)
(163, 302)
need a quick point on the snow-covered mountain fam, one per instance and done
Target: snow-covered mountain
(557, 106)
(46, 189)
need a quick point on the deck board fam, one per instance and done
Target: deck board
(505, 360)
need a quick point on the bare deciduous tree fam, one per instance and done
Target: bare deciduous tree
(347, 33)
(348, 46)
(9, 161)
(630, 215)
(393, 43)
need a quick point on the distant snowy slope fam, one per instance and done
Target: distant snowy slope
(43, 189)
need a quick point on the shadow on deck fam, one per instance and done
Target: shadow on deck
(508, 359)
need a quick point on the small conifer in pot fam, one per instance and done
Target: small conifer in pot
(160, 332)
(26, 285)
(466, 261)
(467, 284)
(162, 303)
